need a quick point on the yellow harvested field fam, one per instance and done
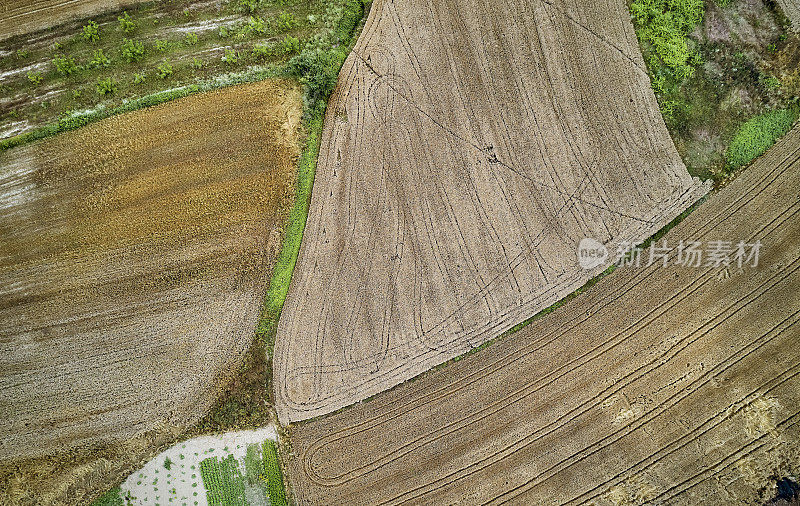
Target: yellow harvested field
(465, 155)
(659, 385)
(134, 257)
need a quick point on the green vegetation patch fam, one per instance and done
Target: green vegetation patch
(273, 475)
(317, 68)
(223, 481)
(110, 498)
(664, 25)
(713, 66)
(758, 134)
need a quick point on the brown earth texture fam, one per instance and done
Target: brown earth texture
(464, 156)
(134, 256)
(23, 16)
(661, 384)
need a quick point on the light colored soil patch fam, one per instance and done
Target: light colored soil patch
(182, 483)
(134, 256)
(659, 385)
(792, 10)
(465, 155)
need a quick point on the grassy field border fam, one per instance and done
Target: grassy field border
(84, 118)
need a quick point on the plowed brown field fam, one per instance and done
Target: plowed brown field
(134, 258)
(659, 385)
(23, 16)
(468, 148)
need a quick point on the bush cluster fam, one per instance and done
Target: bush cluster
(132, 50)
(91, 32)
(663, 25)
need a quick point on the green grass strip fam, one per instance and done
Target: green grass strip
(756, 135)
(273, 475)
(318, 71)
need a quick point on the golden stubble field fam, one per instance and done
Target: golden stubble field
(468, 149)
(659, 385)
(134, 257)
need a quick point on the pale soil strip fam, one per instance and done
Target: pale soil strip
(464, 156)
(792, 10)
(674, 384)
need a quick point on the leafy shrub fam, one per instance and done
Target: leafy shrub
(167, 464)
(197, 63)
(231, 57)
(757, 134)
(257, 25)
(663, 25)
(224, 32)
(35, 77)
(132, 50)
(164, 70)
(250, 6)
(161, 45)
(91, 32)
(22, 53)
(318, 71)
(139, 78)
(262, 50)
(772, 83)
(290, 44)
(76, 94)
(191, 39)
(65, 65)
(286, 21)
(106, 86)
(99, 60)
(126, 24)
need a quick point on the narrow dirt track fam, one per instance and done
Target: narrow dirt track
(134, 257)
(24, 16)
(665, 385)
(465, 154)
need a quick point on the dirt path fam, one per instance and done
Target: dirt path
(134, 258)
(666, 385)
(465, 155)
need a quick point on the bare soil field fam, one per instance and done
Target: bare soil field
(659, 385)
(134, 259)
(23, 16)
(464, 156)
